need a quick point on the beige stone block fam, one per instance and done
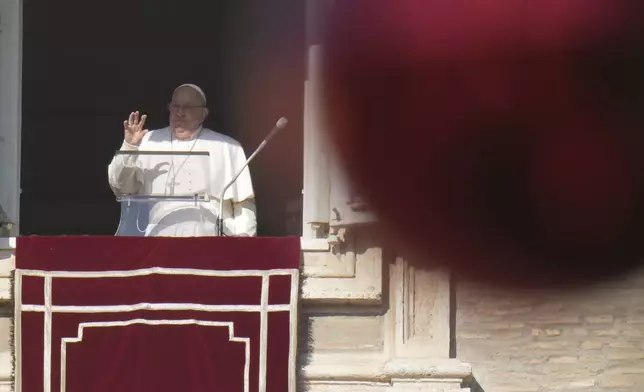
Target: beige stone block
(549, 308)
(533, 360)
(592, 345)
(505, 312)
(344, 386)
(505, 376)
(563, 359)
(620, 345)
(592, 359)
(606, 332)
(346, 332)
(555, 344)
(499, 326)
(507, 335)
(553, 332)
(600, 308)
(605, 319)
(5, 288)
(7, 262)
(480, 356)
(489, 303)
(473, 335)
(619, 354)
(5, 347)
(559, 320)
(617, 384)
(517, 388)
(579, 332)
(582, 384)
(5, 334)
(633, 333)
(473, 318)
(424, 386)
(625, 370)
(565, 375)
(621, 381)
(547, 346)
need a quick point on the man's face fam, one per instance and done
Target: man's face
(187, 112)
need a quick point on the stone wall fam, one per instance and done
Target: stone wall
(379, 325)
(591, 341)
(6, 310)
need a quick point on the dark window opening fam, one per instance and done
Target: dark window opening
(86, 65)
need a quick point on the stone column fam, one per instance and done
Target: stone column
(417, 331)
(10, 107)
(315, 206)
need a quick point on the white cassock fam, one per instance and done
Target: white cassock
(188, 175)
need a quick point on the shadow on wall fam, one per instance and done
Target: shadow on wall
(473, 385)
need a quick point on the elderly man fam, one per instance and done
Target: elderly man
(128, 173)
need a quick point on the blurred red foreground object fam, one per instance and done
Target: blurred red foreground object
(501, 138)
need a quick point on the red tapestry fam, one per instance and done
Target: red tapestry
(105, 314)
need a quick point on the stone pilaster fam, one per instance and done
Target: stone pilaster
(396, 341)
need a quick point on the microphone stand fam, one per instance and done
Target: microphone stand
(281, 124)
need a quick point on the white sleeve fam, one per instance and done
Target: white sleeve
(123, 173)
(244, 219)
(242, 188)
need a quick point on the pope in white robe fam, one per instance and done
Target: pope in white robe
(189, 174)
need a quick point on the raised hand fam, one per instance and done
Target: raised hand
(133, 128)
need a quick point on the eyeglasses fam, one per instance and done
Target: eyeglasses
(175, 108)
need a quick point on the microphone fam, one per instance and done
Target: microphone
(279, 125)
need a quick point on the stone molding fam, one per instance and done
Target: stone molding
(7, 265)
(349, 272)
(376, 369)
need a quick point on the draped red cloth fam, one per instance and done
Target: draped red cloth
(128, 314)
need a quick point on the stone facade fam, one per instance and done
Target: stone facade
(591, 341)
(391, 334)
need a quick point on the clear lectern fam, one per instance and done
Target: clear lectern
(165, 193)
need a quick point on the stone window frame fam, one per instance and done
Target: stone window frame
(342, 260)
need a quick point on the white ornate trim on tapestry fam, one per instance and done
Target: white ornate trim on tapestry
(263, 308)
(82, 326)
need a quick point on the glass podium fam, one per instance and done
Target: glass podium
(164, 193)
